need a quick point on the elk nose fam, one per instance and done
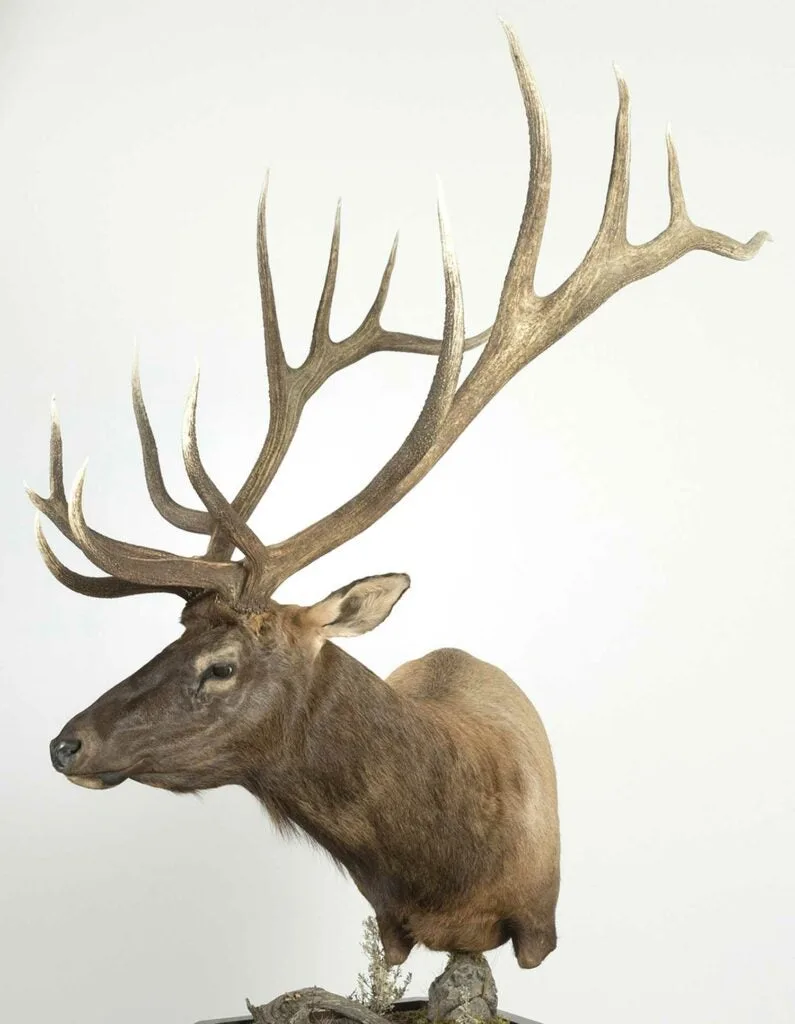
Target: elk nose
(62, 753)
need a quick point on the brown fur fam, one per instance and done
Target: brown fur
(435, 788)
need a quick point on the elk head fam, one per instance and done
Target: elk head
(219, 696)
(219, 702)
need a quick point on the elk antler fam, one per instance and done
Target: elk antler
(57, 511)
(290, 388)
(525, 326)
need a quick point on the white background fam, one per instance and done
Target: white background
(615, 530)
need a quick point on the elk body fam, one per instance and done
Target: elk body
(435, 788)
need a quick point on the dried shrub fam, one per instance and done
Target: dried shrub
(381, 985)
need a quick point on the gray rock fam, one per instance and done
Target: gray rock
(464, 990)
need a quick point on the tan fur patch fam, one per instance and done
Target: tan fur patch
(87, 781)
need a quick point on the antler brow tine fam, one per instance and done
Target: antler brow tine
(135, 564)
(55, 507)
(526, 325)
(95, 586)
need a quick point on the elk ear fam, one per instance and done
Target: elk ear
(359, 607)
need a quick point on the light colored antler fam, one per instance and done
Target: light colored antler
(290, 388)
(136, 569)
(525, 326)
(56, 508)
(527, 323)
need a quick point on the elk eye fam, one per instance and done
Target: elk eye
(220, 670)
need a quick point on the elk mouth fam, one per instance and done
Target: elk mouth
(100, 780)
(109, 780)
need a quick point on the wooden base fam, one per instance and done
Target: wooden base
(403, 1004)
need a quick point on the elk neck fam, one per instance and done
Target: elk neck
(349, 746)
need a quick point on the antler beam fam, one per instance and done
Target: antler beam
(525, 326)
(290, 388)
(527, 323)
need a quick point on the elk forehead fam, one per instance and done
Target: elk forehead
(275, 624)
(209, 610)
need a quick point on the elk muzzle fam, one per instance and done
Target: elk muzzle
(65, 754)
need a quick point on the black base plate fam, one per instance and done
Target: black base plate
(403, 1004)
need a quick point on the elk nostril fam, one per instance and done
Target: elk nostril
(62, 752)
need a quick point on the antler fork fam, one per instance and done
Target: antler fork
(525, 326)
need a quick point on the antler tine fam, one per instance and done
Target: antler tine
(445, 380)
(519, 280)
(136, 564)
(172, 511)
(676, 195)
(219, 508)
(377, 308)
(371, 337)
(613, 227)
(134, 569)
(320, 332)
(527, 323)
(285, 399)
(95, 586)
(393, 480)
(56, 454)
(290, 388)
(274, 352)
(55, 508)
(612, 261)
(525, 326)
(698, 237)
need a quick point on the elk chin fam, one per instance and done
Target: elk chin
(103, 780)
(181, 781)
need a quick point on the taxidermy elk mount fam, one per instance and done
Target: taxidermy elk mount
(434, 788)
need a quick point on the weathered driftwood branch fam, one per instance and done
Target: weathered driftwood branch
(298, 1006)
(464, 990)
